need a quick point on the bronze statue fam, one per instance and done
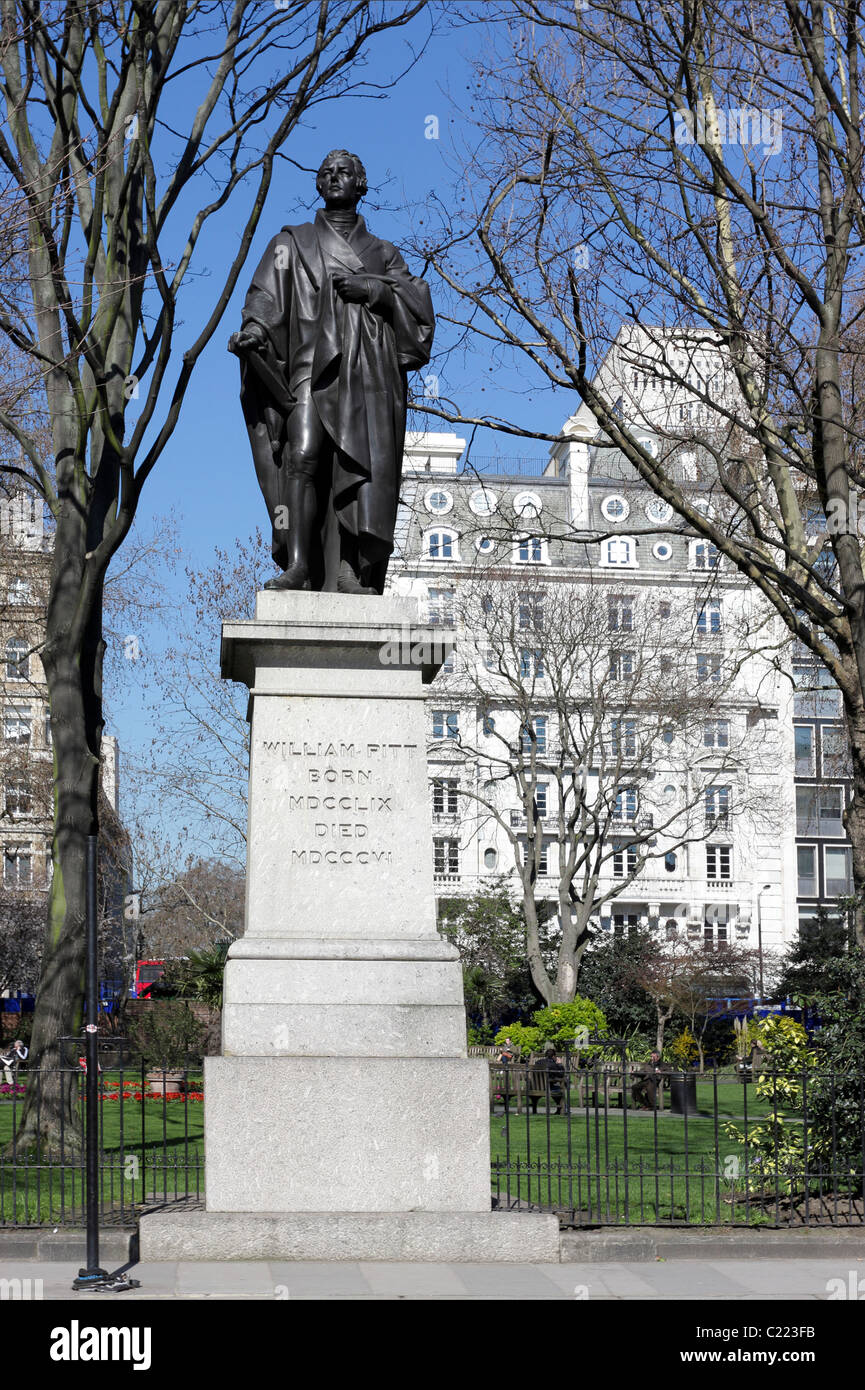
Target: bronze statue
(332, 324)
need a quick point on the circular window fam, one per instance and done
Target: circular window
(669, 793)
(438, 501)
(483, 502)
(662, 550)
(491, 858)
(650, 446)
(527, 504)
(670, 862)
(615, 508)
(484, 545)
(659, 510)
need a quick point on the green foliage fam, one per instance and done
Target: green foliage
(168, 1035)
(570, 1023)
(809, 968)
(609, 977)
(203, 975)
(479, 1037)
(524, 1038)
(776, 1149)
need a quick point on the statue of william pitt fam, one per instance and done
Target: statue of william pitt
(332, 324)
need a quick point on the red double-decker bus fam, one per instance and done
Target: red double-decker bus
(147, 972)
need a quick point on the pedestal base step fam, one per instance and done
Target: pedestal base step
(432, 1237)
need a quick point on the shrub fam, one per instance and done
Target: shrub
(683, 1049)
(168, 1035)
(524, 1038)
(570, 1023)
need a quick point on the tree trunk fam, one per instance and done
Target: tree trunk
(854, 816)
(664, 1016)
(73, 671)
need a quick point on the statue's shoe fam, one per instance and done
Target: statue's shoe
(295, 577)
(347, 581)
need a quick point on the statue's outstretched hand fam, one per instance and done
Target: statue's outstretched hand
(354, 288)
(248, 340)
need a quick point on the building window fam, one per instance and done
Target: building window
(483, 502)
(708, 666)
(541, 789)
(718, 862)
(485, 545)
(441, 545)
(445, 796)
(17, 797)
(438, 501)
(806, 871)
(621, 665)
(835, 755)
(527, 504)
(716, 733)
(709, 619)
(803, 745)
(816, 694)
(662, 550)
(446, 858)
(625, 922)
(17, 867)
(17, 659)
(445, 723)
(624, 860)
(488, 724)
(531, 663)
(838, 868)
(530, 613)
(46, 727)
(19, 592)
(704, 555)
(671, 929)
(16, 724)
(819, 811)
(619, 552)
(543, 860)
(626, 804)
(670, 862)
(623, 738)
(620, 613)
(491, 858)
(615, 508)
(449, 665)
(530, 551)
(534, 733)
(440, 609)
(717, 802)
(715, 936)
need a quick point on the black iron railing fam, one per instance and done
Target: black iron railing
(604, 1142)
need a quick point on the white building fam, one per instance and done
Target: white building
(582, 521)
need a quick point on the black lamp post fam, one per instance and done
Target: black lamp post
(93, 1276)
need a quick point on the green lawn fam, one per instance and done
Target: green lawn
(152, 1150)
(638, 1166)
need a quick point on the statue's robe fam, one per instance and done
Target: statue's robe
(354, 359)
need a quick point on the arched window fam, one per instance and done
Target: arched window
(619, 552)
(17, 659)
(442, 545)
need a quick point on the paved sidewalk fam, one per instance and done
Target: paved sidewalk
(723, 1279)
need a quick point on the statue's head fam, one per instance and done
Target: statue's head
(341, 180)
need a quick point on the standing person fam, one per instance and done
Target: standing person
(12, 1059)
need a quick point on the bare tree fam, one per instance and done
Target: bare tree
(128, 129)
(682, 976)
(698, 165)
(584, 742)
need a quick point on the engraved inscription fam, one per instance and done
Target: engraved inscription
(339, 816)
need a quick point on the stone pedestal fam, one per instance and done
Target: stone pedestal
(344, 1100)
